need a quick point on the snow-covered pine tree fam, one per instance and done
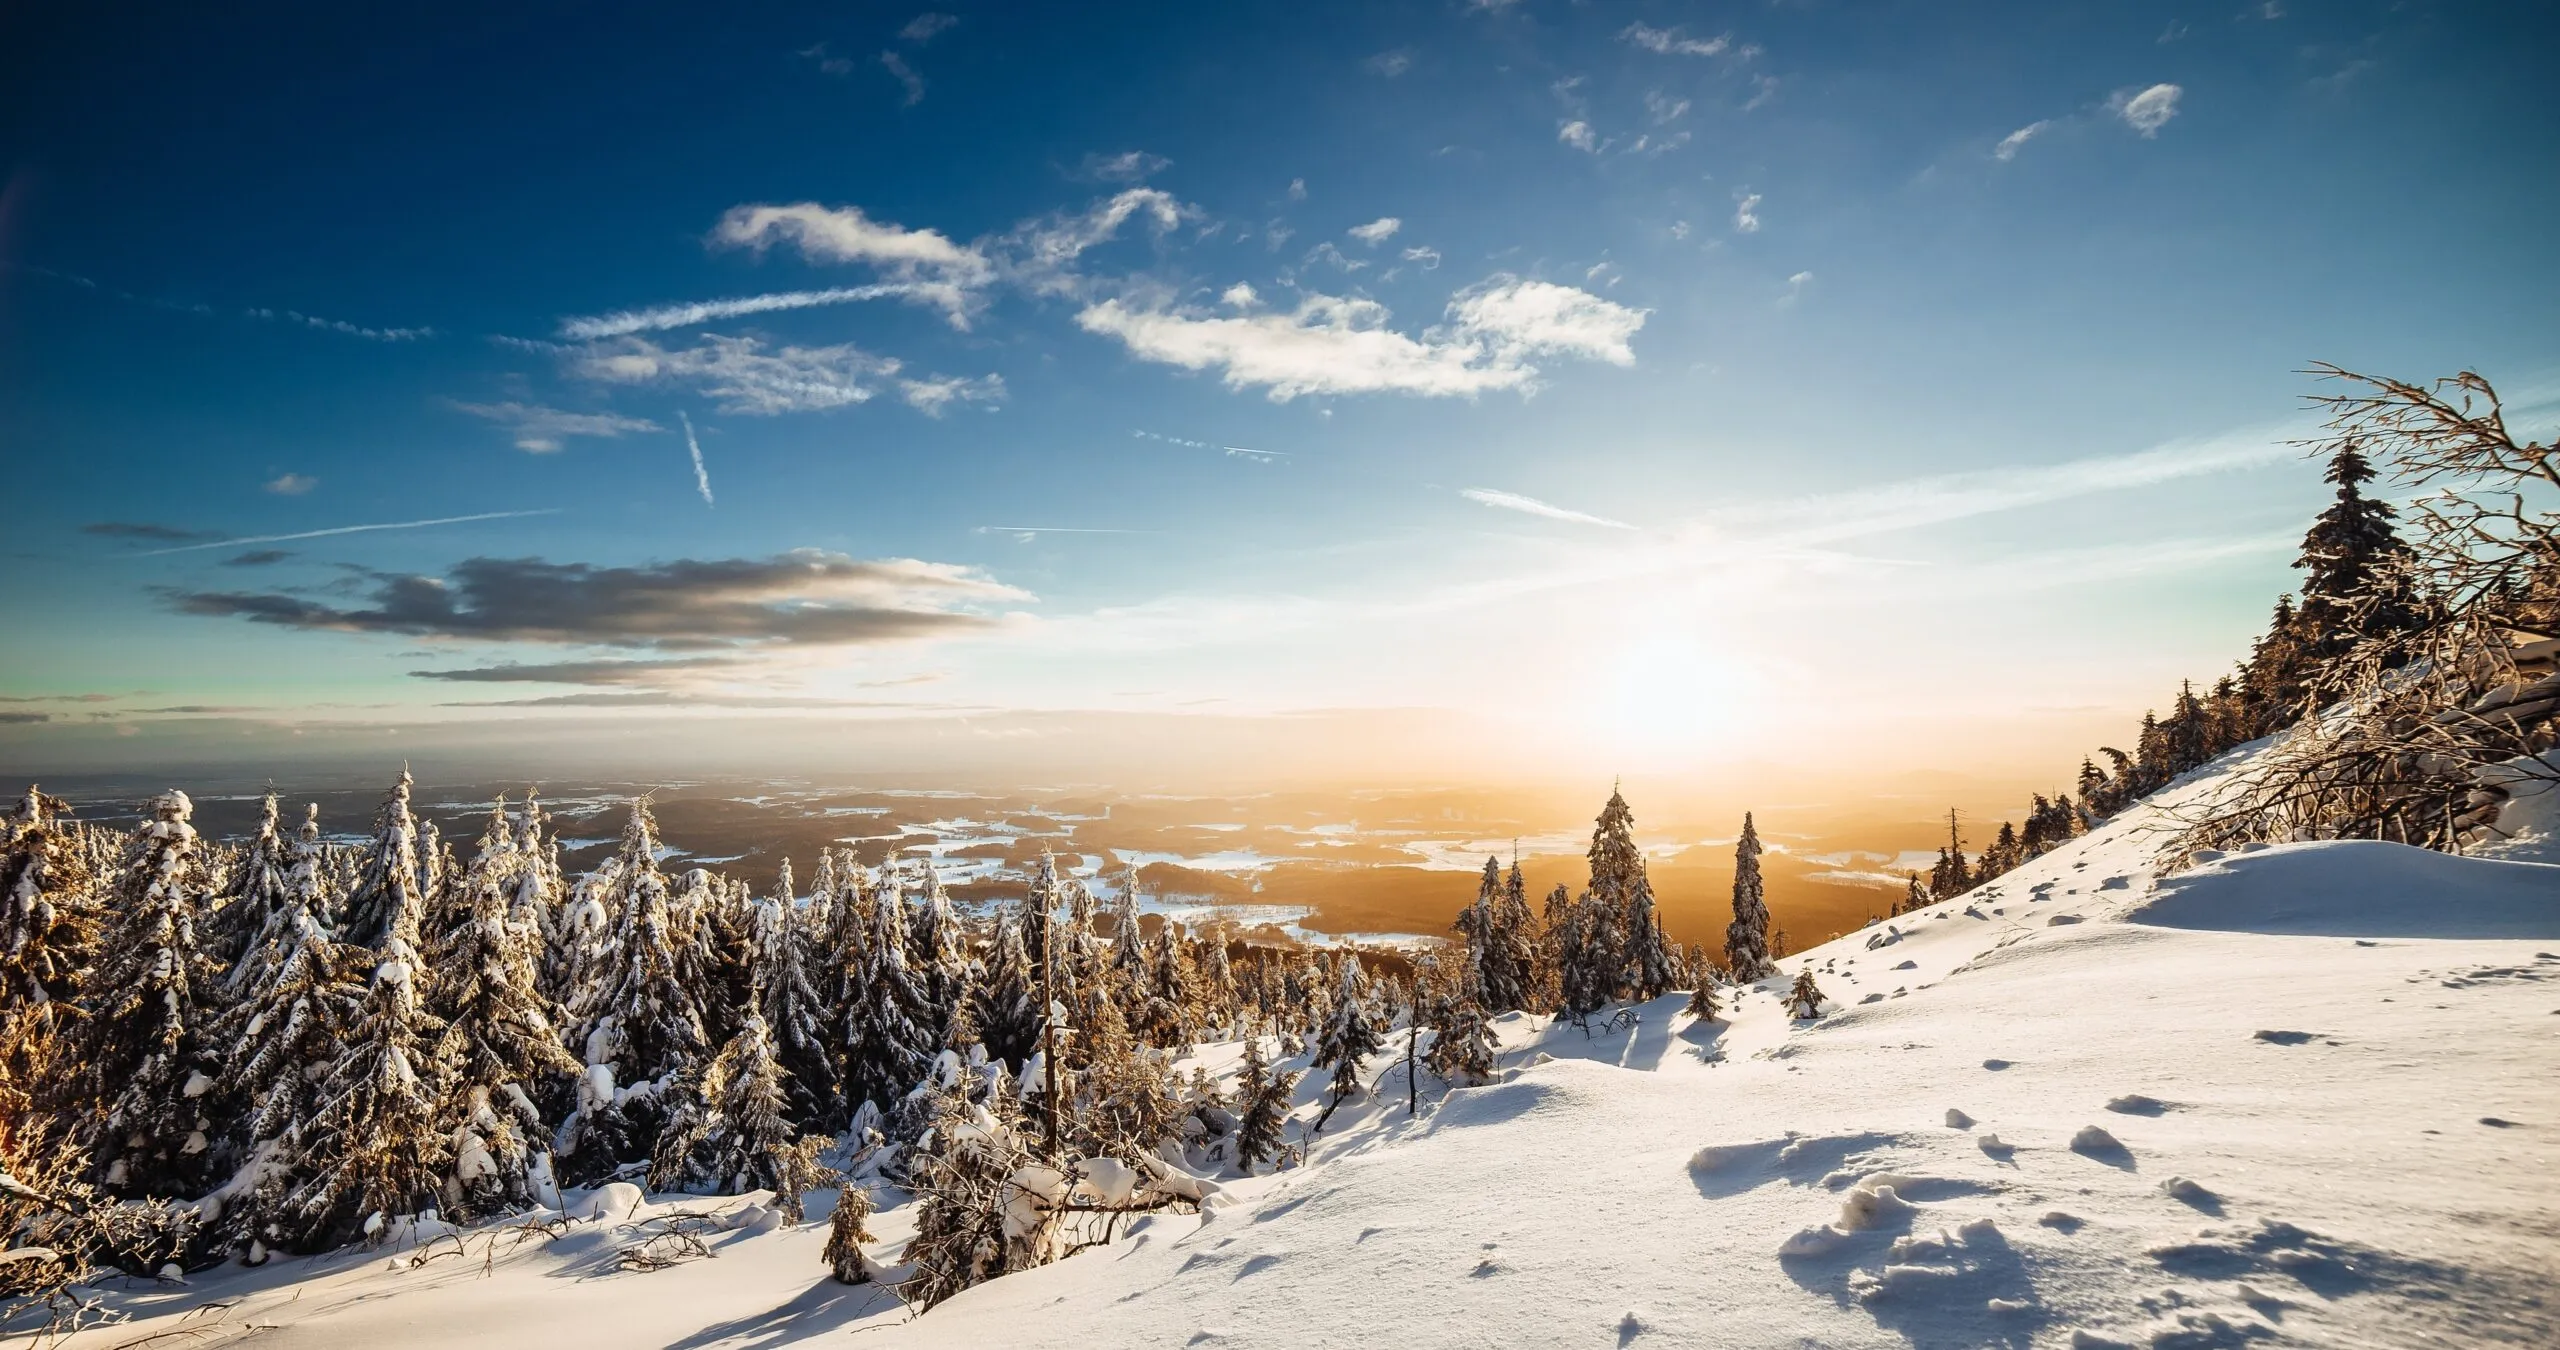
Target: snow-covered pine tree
(1652, 969)
(1476, 923)
(1617, 947)
(1702, 999)
(535, 902)
(1006, 1004)
(388, 880)
(1264, 1100)
(889, 1043)
(373, 1150)
(639, 1016)
(847, 1231)
(794, 1013)
(838, 964)
(254, 895)
(1351, 1032)
(939, 955)
(1213, 985)
(501, 1046)
(1164, 1021)
(150, 1004)
(1804, 1000)
(1746, 939)
(731, 1131)
(1510, 975)
(48, 927)
(974, 1219)
(1128, 940)
(1462, 1044)
(2346, 552)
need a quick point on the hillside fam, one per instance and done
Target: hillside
(2300, 1095)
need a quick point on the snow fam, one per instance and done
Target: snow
(2299, 1053)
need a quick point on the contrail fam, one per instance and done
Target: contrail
(701, 476)
(1261, 456)
(623, 322)
(346, 529)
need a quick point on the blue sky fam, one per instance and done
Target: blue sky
(1638, 385)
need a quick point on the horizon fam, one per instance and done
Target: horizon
(1756, 402)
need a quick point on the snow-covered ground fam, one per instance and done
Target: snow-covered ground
(2301, 1095)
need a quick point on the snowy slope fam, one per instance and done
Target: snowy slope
(2253, 1103)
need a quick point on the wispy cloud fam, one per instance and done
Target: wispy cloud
(2147, 110)
(259, 557)
(657, 318)
(742, 375)
(1746, 213)
(693, 444)
(935, 393)
(1128, 166)
(291, 484)
(1578, 134)
(1389, 64)
(341, 326)
(2015, 141)
(1671, 42)
(1376, 232)
(908, 79)
(934, 269)
(927, 26)
(1340, 345)
(541, 430)
(595, 672)
(350, 529)
(1423, 254)
(1513, 501)
(141, 532)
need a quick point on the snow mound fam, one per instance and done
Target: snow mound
(2360, 888)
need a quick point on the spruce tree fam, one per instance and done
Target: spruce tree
(2345, 555)
(847, 1231)
(939, 956)
(1804, 1000)
(794, 1013)
(1463, 1045)
(388, 880)
(731, 1131)
(1265, 1098)
(890, 1040)
(1746, 939)
(1623, 943)
(373, 1149)
(640, 1014)
(1351, 1032)
(1510, 976)
(252, 898)
(1702, 1000)
(1006, 1005)
(48, 927)
(150, 1010)
(502, 1041)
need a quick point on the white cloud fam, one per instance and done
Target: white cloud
(1670, 42)
(1424, 254)
(742, 375)
(689, 314)
(1040, 255)
(1240, 295)
(1746, 213)
(1326, 253)
(701, 475)
(1297, 189)
(933, 394)
(1376, 232)
(924, 27)
(2148, 110)
(1579, 135)
(907, 77)
(1679, 229)
(1339, 345)
(541, 430)
(1389, 64)
(291, 484)
(1513, 501)
(1129, 166)
(2016, 140)
(1795, 287)
(1664, 108)
(937, 271)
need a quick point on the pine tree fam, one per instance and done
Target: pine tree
(149, 1009)
(502, 1040)
(48, 929)
(1914, 897)
(890, 1037)
(388, 880)
(839, 967)
(1625, 947)
(939, 956)
(795, 1014)
(374, 1150)
(640, 1014)
(1746, 940)
(1804, 1000)
(847, 1231)
(1702, 1000)
(1463, 1046)
(1266, 1098)
(254, 895)
(2345, 554)
(1351, 1032)
(732, 1130)
(973, 1221)
(1006, 1006)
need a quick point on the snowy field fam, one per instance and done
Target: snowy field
(2308, 1095)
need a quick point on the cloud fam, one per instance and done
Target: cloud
(1376, 232)
(742, 375)
(1578, 134)
(24, 718)
(1424, 254)
(1513, 501)
(141, 533)
(1670, 42)
(935, 393)
(907, 76)
(934, 269)
(540, 430)
(1746, 213)
(260, 557)
(831, 65)
(1389, 64)
(1338, 345)
(1129, 166)
(671, 699)
(691, 314)
(1328, 254)
(1795, 287)
(291, 484)
(594, 672)
(1239, 296)
(2015, 141)
(1297, 189)
(335, 530)
(701, 475)
(927, 26)
(1664, 108)
(341, 326)
(1040, 255)
(806, 597)
(2148, 110)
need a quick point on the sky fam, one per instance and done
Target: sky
(1430, 390)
